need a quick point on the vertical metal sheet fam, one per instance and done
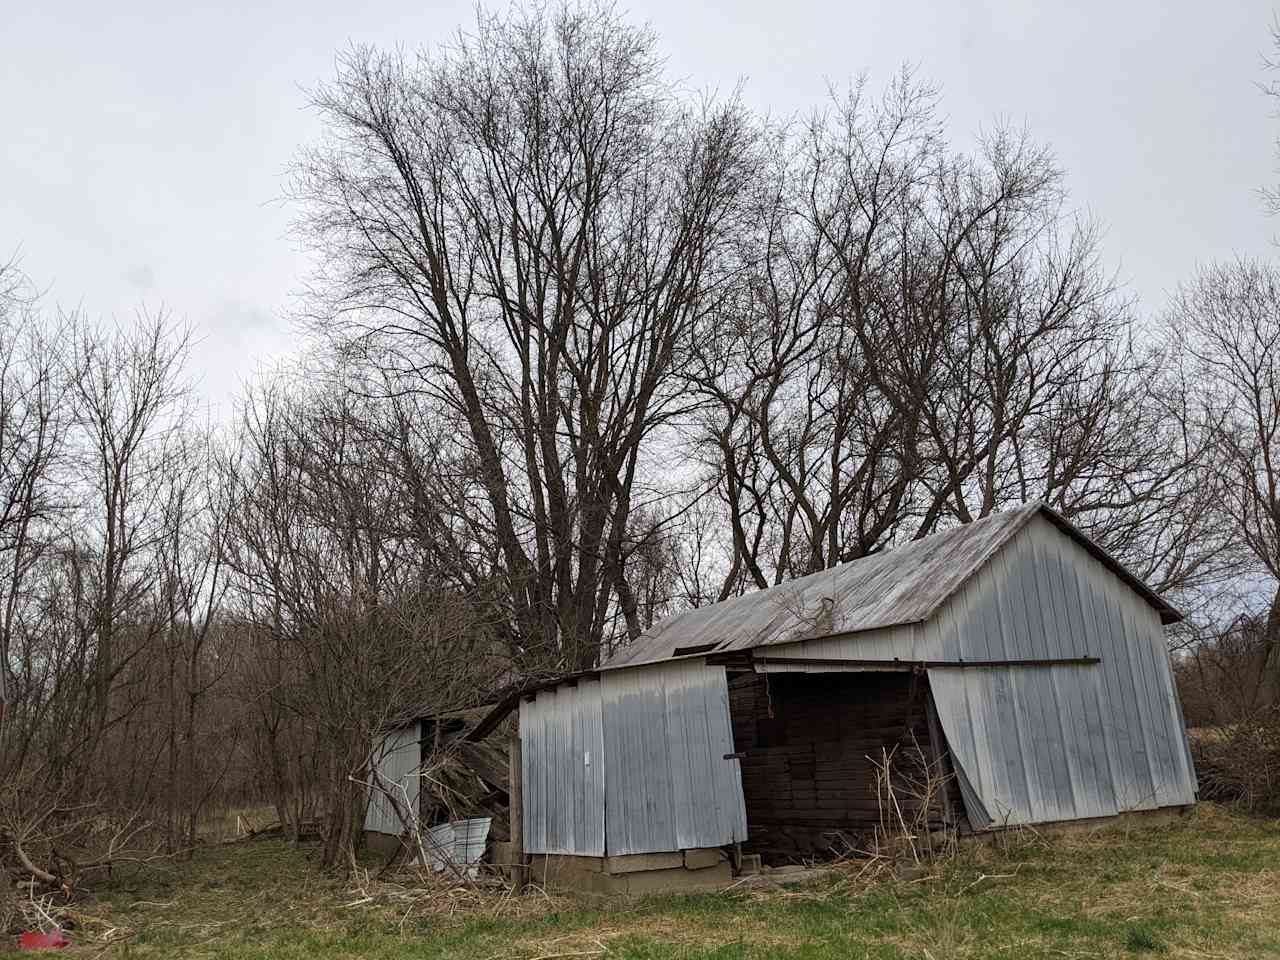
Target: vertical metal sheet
(640, 803)
(590, 832)
(668, 783)
(398, 757)
(562, 761)
(1057, 742)
(533, 765)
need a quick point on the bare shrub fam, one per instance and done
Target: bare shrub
(1226, 683)
(911, 789)
(8, 905)
(1239, 763)
(1224, 677)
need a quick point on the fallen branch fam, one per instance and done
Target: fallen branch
(44, 876)
(990, 876)
(581, 953)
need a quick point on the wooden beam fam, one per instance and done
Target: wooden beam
(516, 816)
(904, 665)
(941, 755)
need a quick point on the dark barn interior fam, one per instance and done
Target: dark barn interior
(809, 745)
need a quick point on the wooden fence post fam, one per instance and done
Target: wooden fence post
(516, 795)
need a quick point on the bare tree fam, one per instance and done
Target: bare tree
(88, 420)
(918, 337)
(128, 403)
(33, 428)
(811, 436)
(333, 566)
(525, 226)
(1226, 326)
(31, 434)
(189, 589)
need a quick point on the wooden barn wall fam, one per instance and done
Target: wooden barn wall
(636, 762)
(807, 775)
(398, 757)
(1036, 744)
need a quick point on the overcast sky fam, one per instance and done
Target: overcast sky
(144, 142)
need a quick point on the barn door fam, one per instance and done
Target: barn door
(562, 767)
(671, 782)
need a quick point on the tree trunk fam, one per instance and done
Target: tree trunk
(8, 905)
(1271, 642)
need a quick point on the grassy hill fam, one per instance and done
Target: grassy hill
(1207, 886)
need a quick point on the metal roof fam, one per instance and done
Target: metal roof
(906, 584)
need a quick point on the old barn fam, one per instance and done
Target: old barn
(1012, 652)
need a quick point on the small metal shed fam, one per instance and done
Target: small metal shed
(438, 776)
(1040, 663)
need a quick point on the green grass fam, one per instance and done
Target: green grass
(1207, 886)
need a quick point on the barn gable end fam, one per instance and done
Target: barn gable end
(1062, 741)
(1046, 741)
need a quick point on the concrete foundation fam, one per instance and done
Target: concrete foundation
(701, 869)
(383, 844)
(502, 856)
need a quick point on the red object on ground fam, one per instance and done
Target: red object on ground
(43, 941)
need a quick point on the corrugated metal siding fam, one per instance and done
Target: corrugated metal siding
(398, 757)
(460, 843)
(563, 771)
(669, 786)
(1038, 744)
(1031, 744)
(657, 780)
(641, 814)
(1020, 755)
(906, 585)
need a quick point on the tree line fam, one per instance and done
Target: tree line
(582, 349)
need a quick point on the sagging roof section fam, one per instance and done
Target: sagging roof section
(906, 584)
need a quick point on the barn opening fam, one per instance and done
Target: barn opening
(827, 759)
